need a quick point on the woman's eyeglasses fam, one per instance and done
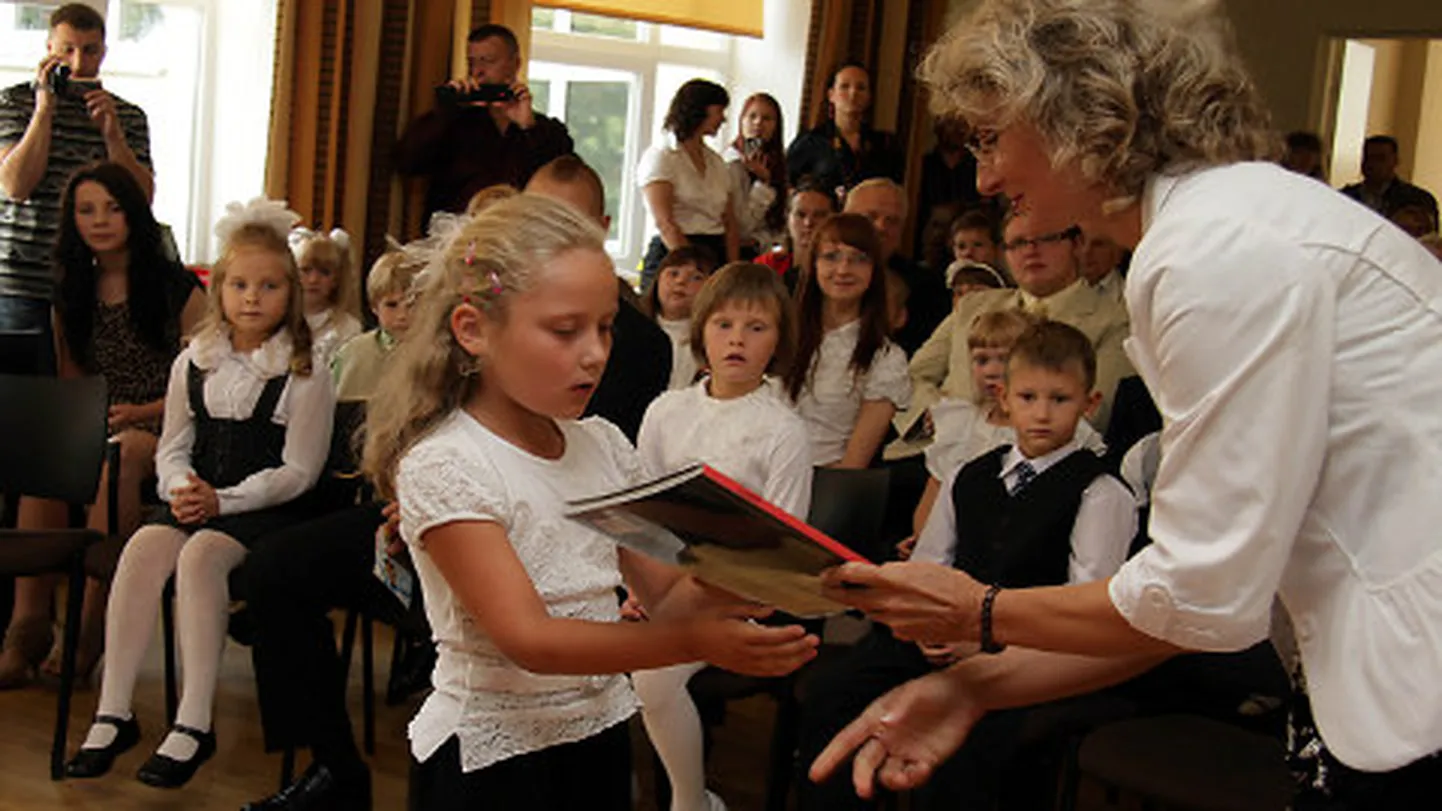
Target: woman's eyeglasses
(1066, 235)
(981, 143)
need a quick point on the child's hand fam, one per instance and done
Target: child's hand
(905, 547)
(391, 512)
(632, 610)
(729, 639)
(195, 503)
(946, 655)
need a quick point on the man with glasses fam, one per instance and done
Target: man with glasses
(1045, 259)
(883, 202)
(467, 144)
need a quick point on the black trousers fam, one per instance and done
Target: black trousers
(594, 774)
(293, 578)
(1010, 759)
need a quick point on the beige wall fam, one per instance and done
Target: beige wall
(1427, 163)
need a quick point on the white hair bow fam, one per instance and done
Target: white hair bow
(263, 211)
(300, 235)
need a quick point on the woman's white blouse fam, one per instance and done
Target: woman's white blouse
(831, 399)
(758, 440)
(1293, 342)
(683, 360)
(698, 201)
(463, 472)
(232, 387)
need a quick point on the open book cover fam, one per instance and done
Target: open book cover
(724, 534)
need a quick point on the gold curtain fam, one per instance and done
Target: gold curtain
(741, 17)
(349, 74)
(840, 30)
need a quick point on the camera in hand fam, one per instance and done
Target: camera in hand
(448, 95)
(64, 85)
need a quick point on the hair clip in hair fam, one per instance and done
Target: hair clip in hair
(471, 253)
(496, 287)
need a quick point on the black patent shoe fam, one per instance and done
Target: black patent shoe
(163, 771)
(320, 789)
(95, 762)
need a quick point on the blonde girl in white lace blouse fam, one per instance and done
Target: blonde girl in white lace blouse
(476, 433)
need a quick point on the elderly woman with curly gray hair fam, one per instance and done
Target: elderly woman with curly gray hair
(1292, 340)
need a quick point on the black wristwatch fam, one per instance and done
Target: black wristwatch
(988, 642)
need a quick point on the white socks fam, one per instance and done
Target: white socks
(674, 728)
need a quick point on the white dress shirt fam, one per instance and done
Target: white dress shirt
(698, 198)
(1105, 523)
(1292, 340)
(830, 402)
(757, 439)
(232, 387)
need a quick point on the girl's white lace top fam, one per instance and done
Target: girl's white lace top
(463, 472)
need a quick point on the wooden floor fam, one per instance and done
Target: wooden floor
(241, 771)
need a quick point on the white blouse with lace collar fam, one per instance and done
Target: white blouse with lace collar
(233, 383)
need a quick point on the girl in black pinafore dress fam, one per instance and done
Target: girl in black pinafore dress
(246, 433)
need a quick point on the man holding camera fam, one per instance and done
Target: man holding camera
(483, 130)
(48, 129)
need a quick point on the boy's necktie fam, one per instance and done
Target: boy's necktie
(1025, 474)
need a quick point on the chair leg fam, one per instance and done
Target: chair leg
(368, 676)
(347, 643)
(74, 605)
(287, 767)
(167, 633)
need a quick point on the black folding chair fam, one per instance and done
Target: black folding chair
(54, 448)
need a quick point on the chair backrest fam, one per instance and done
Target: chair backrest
(52, 436)
(345, 436)
(850, 506)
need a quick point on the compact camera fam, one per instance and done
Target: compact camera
(450, 96)
(63, 85)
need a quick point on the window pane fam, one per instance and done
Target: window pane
(137, 20)
(32, 17)
(543, 18)
(596, 117)
(681, 37)
(540, 95)
(599, 26)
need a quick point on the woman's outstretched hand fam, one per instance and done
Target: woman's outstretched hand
(903, 736)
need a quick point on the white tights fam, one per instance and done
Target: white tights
(674, 727)
(201, 563)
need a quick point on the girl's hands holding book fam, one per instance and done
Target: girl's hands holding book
(730, 638)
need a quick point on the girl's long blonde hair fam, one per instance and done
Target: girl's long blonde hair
(261, 237)
(323, 250)
(493, 257)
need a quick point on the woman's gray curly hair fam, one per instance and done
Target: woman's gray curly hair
(1120, 89)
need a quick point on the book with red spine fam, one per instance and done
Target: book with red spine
(726, 535)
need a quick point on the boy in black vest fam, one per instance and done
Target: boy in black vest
(1041, 512)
